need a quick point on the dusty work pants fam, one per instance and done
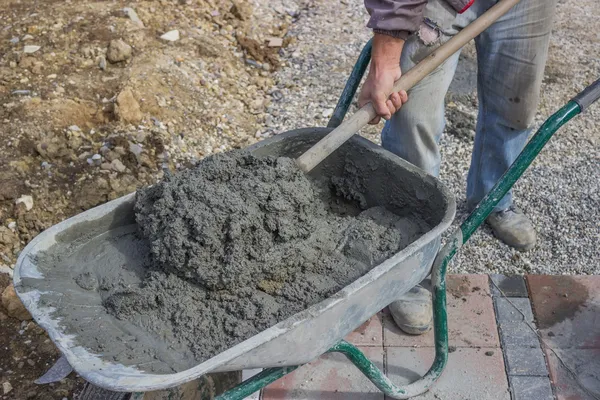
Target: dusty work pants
(511, 55)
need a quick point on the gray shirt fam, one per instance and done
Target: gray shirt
(399, 18)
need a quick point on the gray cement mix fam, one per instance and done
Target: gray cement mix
(219, 253)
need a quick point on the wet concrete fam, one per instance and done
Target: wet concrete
(221, 253)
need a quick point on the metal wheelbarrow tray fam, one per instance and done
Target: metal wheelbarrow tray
(391, 182)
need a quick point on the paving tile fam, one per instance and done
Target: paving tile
(510, 285)
(469, 375)
(368, 334)
(567, 309)
(518, 334)
(471, 320)
(531, 388)
(525, 361)
(331, 377)
(513, 309)
(585, 365)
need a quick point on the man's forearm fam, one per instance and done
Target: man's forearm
(386, 52)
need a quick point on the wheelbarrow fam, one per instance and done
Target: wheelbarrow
(319, 329)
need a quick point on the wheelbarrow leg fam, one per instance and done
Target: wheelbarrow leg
(440, 330)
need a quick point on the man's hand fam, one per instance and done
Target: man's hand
(384, 71)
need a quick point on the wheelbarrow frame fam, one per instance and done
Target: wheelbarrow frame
(440, 265)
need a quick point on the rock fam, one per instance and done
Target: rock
(105, 166)
(136, 149)
(87, 51)
(127, 108)
(9, 189)
(241, 10)
(8, 271)
(120, 150)
(161, 101)
(26, 200)
(130, 12)
(209, 47)
(8, 237)
(118, 166)
(171, 36)
(118, 51)
(74, 128)
(328, 113)
(27, 37)
(96, 159)
(102, 63)
(27, 62)
(37, 68)
(31, 49)
(141, 137)
(6, 387)
(14, 40)
(110, 155)
(275, 42)
(13, 305)
(12, 225)
(145, 160)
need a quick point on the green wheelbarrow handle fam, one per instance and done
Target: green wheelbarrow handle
(574, 107)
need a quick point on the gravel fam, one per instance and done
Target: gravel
(560, 191)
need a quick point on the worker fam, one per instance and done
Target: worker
(511, 55)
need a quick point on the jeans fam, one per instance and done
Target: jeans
(511, 55)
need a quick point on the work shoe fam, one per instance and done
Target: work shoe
(413, 311)
(513, 228)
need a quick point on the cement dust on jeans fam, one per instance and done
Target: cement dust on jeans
(230, 248)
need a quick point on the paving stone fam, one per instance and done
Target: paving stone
(518, 334)
(531, 388)
(471, 320)
(525, 361)
(511, 286)
(585, 364)
(469, 375)
(567, 309)
(507, 309)
(331, 377)
(368, 334)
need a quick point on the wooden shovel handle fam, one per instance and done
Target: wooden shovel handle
(317, 153)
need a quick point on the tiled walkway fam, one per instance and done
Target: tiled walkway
(495, 347)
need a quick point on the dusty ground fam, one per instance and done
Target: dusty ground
(86, 119)
(78, 130)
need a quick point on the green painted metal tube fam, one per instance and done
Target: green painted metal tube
(351, 86)
(256, 383)
(525, 158)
